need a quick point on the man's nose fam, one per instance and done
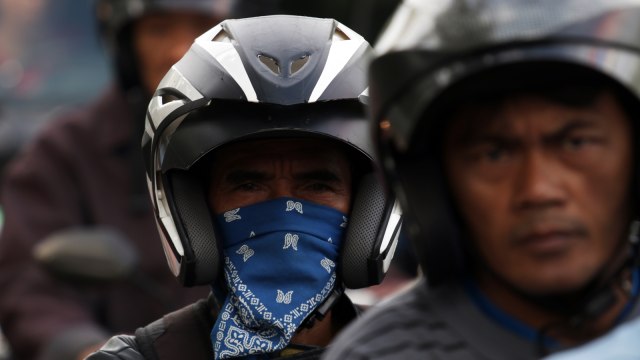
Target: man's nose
(538, 182)
(281, 188)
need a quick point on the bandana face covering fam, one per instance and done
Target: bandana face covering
(279, 263)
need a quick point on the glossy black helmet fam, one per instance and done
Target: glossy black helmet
(266, 77)
(431, 47)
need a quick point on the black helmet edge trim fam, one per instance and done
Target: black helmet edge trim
(619, 64)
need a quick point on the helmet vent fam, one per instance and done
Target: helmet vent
(339, 35)
(222, 36)
(167, 98)
(298, 64)
(270, 63)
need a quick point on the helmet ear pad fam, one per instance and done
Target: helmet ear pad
(362, 260)
(202, 258)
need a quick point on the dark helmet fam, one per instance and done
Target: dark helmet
(264, 77)
(432, 47)
(116, 16)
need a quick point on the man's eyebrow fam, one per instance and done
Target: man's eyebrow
(472, 132)
(469, 137)
(240, 176)
(567, 128)
(321, 175)
(482, 136)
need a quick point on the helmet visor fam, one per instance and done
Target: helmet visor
(209, 128)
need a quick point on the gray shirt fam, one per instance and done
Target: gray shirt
(442, 323)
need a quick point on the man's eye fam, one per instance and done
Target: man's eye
(576, 142)
(319, 187)
(247, 187)
(495, 153)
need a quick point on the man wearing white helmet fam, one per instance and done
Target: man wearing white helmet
(262, 180)
(85, 170)
(509, 132)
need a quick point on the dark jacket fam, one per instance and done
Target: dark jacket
(424, 324)
(78, 172)
(185, 334)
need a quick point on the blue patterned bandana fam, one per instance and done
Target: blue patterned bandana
(279, 262)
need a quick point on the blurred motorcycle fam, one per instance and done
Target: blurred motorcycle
(91, 257)
(87, 256)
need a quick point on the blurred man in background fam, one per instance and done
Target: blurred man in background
(41, 73)
(84, 170)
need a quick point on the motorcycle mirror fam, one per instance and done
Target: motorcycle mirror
(87, 255)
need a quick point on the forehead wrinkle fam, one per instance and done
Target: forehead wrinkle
(521, 117)
(473, 123)
(242, 165)
(239, 175)
(319, 166)
(285, 157)
(282, 166)
(320, 174)
(534, 119)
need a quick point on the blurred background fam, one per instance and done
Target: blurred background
(51, 60)
(366, 17)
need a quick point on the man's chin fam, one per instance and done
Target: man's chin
(562, 296)
(555, 278)
(556, 288)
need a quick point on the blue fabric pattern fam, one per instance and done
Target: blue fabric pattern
(279, 262)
